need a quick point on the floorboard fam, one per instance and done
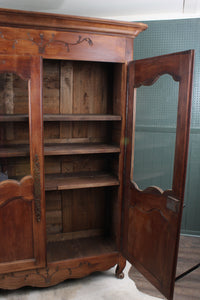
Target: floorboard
(188, 287)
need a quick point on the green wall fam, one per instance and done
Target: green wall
(156, 132)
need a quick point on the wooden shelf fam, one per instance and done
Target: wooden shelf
(63, 117)
(71, 149)
(79, 181)
(74, 235)
(13, 118)
(14, 151)
(78, 248)
(59, 149)
(81, 117)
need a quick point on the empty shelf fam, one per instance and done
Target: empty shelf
(59, 149)
(79, 181)
(61, 117)
(85, 247)
(68, 149)
(13, 118)
(81, 117)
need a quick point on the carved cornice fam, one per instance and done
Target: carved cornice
(25, 19)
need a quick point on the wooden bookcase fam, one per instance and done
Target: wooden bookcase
(68, 202)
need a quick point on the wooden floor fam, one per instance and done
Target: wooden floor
(188, 287)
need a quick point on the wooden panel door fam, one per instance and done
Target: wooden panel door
(152, 217)
(22, 219)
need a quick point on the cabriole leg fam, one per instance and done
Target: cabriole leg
(120, 267)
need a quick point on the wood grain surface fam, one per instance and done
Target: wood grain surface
(186, 288)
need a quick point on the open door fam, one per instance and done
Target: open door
(152, 216)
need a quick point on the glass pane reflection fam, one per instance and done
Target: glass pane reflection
(155, 133)
(14, 133)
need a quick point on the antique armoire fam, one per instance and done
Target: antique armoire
(69, 205)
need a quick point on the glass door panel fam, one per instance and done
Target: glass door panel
(22, 219)
(155, 134)
(14, 127)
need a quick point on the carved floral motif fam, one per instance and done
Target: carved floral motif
(43, 42)
(47, 276)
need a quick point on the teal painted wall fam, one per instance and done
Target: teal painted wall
(154, 130)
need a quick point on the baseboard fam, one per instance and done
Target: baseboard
(190, 233)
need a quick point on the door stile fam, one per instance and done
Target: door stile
(37, 158)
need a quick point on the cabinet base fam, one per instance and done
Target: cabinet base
(57, 272)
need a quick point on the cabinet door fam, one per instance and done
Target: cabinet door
(152, 216)
(22, 218)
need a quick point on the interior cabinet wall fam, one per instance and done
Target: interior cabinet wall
(79, 88)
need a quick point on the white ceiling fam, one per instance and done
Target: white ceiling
(131, 10)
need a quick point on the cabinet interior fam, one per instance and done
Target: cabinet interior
(82, 129)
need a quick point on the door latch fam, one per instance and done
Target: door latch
(173, 204)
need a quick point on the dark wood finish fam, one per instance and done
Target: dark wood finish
(82, 211)
(120, 267)
(77, 248)
(152, 215)
(14, 151)
(187, 287)
(74, 235)
(13, 118)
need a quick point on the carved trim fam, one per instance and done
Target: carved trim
(150, 211)
(37, 188)
(42, 44)
(150, 190)
(57, 273)
(25, 19)
(152, 80)
(11, 190)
